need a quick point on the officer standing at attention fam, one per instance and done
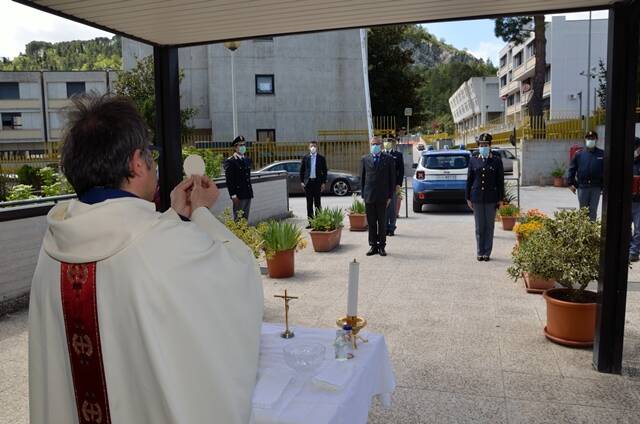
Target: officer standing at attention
(313, 177)
(237, 172)
(484, 192)
(586, 173)
(391, 209)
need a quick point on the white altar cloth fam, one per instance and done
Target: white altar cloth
(303, 402)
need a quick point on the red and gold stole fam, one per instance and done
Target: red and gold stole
(80, 309)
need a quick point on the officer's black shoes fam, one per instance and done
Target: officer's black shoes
(390, 233)
(480, 258)
(382, 251)
(634, 258)
(372, 251)
(486, 258)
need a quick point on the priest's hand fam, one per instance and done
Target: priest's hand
(205, 193)
(180, 198)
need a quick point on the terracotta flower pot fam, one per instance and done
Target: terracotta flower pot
(325, 241)
(398, 204)
(357, 222)
(558, 182)
(537, 284)
(570, 323)
(282, 264)
(508, 222)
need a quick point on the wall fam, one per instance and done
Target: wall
(21, 239)
(539, 157)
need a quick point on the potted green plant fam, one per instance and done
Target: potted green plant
(508, 215)
(532, 260)
(280, 240)
(574, 241)
(357, 215)
(558, 175)
(326, 229)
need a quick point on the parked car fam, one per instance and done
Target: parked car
(440, 178)
(340, 183)
(507, 158)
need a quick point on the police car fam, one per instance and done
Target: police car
(440, 178)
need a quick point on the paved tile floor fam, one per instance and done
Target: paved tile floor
(466, 342)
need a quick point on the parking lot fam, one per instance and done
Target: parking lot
(466, 342)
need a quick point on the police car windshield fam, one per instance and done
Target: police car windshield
(445, 161)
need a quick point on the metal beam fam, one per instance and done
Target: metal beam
(622, 58)
(167, 135)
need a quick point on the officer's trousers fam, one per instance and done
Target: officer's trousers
(244, 205)
(391, 212)
(589, 197)
(485, 216)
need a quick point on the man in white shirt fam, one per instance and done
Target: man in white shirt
(313, 177)
(137, 316)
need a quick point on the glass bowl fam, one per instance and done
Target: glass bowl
(304, 358)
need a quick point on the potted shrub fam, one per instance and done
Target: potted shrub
(508, 214)
(558, 175)
(533, 261)
(357, 215)
(326, 229)
(575, 242)
(529, 223)
(280, 240)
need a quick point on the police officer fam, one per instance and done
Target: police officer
(399, 161)
(634, 248)
(586, 173)
(237, 171)
(484, 192)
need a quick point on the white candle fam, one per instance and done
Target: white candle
(352, 305)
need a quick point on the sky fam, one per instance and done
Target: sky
(21, 24)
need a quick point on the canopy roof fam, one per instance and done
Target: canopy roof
(188, 22)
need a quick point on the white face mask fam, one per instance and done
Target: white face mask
(590, 143)
(313, 149)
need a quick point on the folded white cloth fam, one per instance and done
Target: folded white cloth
(271, 384)
(334, 376)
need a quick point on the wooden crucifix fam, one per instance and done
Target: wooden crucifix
(288, 334)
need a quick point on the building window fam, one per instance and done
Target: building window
(517, 98)
(265, 135)
(11, 120)
(264, 84)
(503, 81)
(547, 73)
(510, 100)
(517, 60)
(531, 49)
(503, 61)
(75, 88)
(510, 76)
(9, 91)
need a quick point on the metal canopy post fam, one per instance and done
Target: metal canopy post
(622, 58)
(167, 85)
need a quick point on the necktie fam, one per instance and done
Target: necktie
(375, 159)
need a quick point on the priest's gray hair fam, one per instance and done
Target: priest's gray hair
(101, 135)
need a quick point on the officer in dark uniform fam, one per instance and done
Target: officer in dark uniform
(484, 192)
(586, 173)
(634, 248)
(237, 171)
(391, 209)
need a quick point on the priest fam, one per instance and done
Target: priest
(138, 316)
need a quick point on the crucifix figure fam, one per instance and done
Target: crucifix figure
(288, 334)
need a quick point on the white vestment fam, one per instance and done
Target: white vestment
(179, 311)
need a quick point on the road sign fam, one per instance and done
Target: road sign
(408, 111)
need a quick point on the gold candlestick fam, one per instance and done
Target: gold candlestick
(288, 334)
(357, 324)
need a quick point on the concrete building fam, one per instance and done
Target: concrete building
(475, 103)
(32, 105)
(287, 88)
(565, 89)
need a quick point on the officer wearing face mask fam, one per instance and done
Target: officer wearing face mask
(634, 248)
(484, 192)
(313, 177)
(586, 173)
(237, 171)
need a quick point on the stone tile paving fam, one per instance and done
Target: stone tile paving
(466, 342)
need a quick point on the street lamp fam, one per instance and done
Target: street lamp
(232, 46)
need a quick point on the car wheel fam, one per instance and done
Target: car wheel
(417, 207)
(340, 188)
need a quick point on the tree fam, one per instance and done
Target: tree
(393, 83)
(602, 84)
(138, 84)
(516, 30)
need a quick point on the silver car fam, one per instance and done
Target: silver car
(340, 183)
(507, 158)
